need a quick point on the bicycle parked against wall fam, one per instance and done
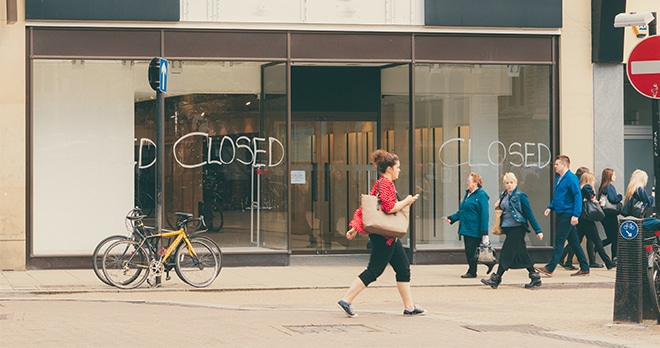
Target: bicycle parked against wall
(136, 229)
(129, 262)
(653, 272)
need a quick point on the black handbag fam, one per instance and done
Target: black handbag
(633, 207)
(591, 210)
(610, 208)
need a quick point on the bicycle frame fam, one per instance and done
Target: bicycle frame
(180, 235)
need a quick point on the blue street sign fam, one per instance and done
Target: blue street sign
(164, 67)
(628, 230)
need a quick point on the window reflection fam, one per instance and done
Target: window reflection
(489, 119)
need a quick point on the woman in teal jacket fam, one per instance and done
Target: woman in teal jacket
(473, 217)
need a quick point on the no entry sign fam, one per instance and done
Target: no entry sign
(644, 67)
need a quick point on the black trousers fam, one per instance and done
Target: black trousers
(382, 255)
(471, 245)
(611, 227)
(590, 230)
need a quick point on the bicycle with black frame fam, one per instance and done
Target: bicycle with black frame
(128, 263)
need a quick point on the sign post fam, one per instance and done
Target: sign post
(157, 74)
(643, 70)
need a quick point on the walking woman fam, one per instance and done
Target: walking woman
(516, 216)
(587, 227)
(384, 250)
(609, 222)
(473, 217)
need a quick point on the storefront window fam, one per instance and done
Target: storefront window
(488, 119)
(94, 139)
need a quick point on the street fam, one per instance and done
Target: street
(555, 315)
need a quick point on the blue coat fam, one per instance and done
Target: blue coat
(567, 198)
(473, 214)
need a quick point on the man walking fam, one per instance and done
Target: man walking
(567, 204)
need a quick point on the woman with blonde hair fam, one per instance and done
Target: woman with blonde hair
(516, 216)
(587, 227)
(636, 190)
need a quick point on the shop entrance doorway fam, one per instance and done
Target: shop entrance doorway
(334, 130)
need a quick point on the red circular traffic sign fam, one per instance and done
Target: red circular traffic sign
(644, 67)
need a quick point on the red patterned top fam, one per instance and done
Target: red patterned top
(388, 200)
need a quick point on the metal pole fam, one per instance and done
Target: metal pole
(160, 164)
(655, 120)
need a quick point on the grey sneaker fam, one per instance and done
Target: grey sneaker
(415, 311)
(346, 307)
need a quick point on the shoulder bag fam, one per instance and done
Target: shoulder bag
(610, 208)
(633, 207)
(591, 210)
(375, 220)
(497, 229)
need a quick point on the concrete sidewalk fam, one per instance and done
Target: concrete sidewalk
(322, 272)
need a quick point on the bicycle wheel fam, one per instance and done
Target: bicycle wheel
(97, 256)
(126, 264)
(653, 274)
(216, 250)
(199, 269)
(216, 220)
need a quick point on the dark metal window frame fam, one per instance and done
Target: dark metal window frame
(279, 46)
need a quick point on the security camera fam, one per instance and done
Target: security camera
(634, 18)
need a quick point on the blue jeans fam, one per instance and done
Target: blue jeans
(566, 231)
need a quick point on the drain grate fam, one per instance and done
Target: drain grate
(307, 329)
(572, 286)
(534, 330)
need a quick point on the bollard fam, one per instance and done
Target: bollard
(629, 269)
(648, 310)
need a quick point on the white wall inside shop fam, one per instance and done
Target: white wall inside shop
(402, 12)
(82, 161)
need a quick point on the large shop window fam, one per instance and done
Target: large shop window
(489, 119)
(94, 150)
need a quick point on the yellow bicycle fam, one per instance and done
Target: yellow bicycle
(128, 263)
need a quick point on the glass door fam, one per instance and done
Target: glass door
(330, 169)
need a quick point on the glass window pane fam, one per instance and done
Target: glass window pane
(489, 119)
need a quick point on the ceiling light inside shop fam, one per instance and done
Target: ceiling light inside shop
(176, 67)
(513, 70)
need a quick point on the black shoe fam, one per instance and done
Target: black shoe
(611, 265)
(569, 267)
(468, 275)
(415, 311)
(596, 265)
(346, 307)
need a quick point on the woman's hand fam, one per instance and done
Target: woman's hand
(497, 204)
(411, 199)
(539, 236)
(350, 234)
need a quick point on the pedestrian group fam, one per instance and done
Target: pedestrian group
(571, 190)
